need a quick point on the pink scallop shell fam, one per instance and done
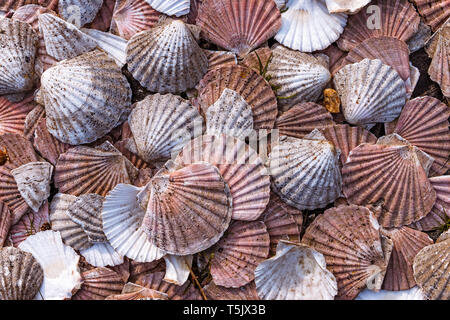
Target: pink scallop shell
(5, 222)
(98, 284)
(47, 145)
(435, 12)
(13, 115)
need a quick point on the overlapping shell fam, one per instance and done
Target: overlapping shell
(411, 294)
(113, 45)
(171, 7)
(79, 12)
(215, 292)
(98, 284)
(13, 115)
(220, 58)
(435, 12)
(47, 145)
(346, 6)
(5, 222)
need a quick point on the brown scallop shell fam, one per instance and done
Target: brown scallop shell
(238, 25)
(398, 19)
(257, 60)
(303, 118)
(13, 115)
(239, 252)
(5, 222)
(218, 59)
(215, 292)
(98, 284)
(138, 162)
(247, 83)
(435, 12)
(132, 291)
(103, 19)
(349, 238)
(32, 120)
(336, 57)
(140, 269)
(13, 5)
(439, 50)
(391, 176)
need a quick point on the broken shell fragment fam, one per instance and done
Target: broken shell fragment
(177, 268)
(346, 6)
(439, 49)
(79, 12)
(102, 254)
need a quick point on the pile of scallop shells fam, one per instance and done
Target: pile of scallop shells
(224, 149)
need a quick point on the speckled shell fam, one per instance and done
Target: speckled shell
(237, 254)
(33, 181)
(64, 89)
(302, 119)
(188, 209)
(161, 126)
(230, 115)
(349, 238)
(62, 39)
(249, 84)
(215, 292)
(431, 270)
(440, 213)
(297, 75)
(397, 18)
(346, 6)
(122, 218)
(347, 138)
(435, 12)
(443, 236)
(391, 176)
(171, 7)
(13, 5)
(133, 16)
(17, 57)
(297, 272)
(305, 172)
(21, 275)
(59, 262)
(102, 21)
(361, 103)
(114, 46)
(424, 123)
(71, 233)
(13, 115)
(308, 26)
(407, 243)
(79, 12)
(149, 62)
(439, 50)
(91, 170)
(98, 284)
(177, 268)
(411, 294)
(230, 23)
(5, 222)
(218, 59)
(102, 254)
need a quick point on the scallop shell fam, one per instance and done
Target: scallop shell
(135, 160)
(346, 6)
(230, 115)
(90, 170)
(349, 238)
(439, 50)
(424, 123)
(71, 233)
(248, 84)
(188, 209)
(298, 77)
(5, 222)
(177, 268)
(361, 103)
(21, 275)
(393, 18)
(139, 269)
(305, 172)
(17, 57)
(407, 243)
(218, 59)
(391, 176)
(411, 294)
(86, 211)
(241, 168)
(297, 272)
(113, 45)
(171, 7)
(258, 60)
(158, 71)
(122, 217)
(98, 284)
(237, 254)
(59, 262)
(440, 213)
(32, 119)
(133, 16)
(13, 115)
(161, 125)
(133, 291)
(215, 292)
(302, 119)
(444, 236)
(435, 12)
(102, 254)
(347, 138)
(79, 12)
(102, 21)
(431, 270)
(13, 5)
(335, 58)
(308, 26)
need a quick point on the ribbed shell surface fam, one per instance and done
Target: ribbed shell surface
(215, 292)
(98, 284)
(5, 222)
(435, 12)
(171, 7)
(86, 210)
(13, 115)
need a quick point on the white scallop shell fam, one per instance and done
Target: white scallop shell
(114, 46)
(370, 92)
(60, 264)
(33, 181)
(307, 26)
(101, 254)
(79, 12)
(412, 294)
(345, 6)
(171, 7)
(296, 272)
(177, 268)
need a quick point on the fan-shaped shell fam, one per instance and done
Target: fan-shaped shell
(393, 18)
(302, 119)
(218, 59)
(98, 284)
(391, 176)
(435, 12)
(370, 92)
(297, 272)
(149, 62)
(59, 262)
(188, 209)
(13, 115)
(346, 6)
(308, 26)
(5, 222)
(237, 254)
(86, 211)
(411, 294)
(171, 7)
(439, 50)
(21, 275)
(248, 84)
(349, 238)
(65, 89)
(79, 12)
(431, 270)
(13, 5)
(17, 57)
(215, 292)
(33, 181)
(241, 168)
(305, 172)
(114, 46)
(162, 124)
(238, 25)
(102, 254)
(347, 138)
(133, 16)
